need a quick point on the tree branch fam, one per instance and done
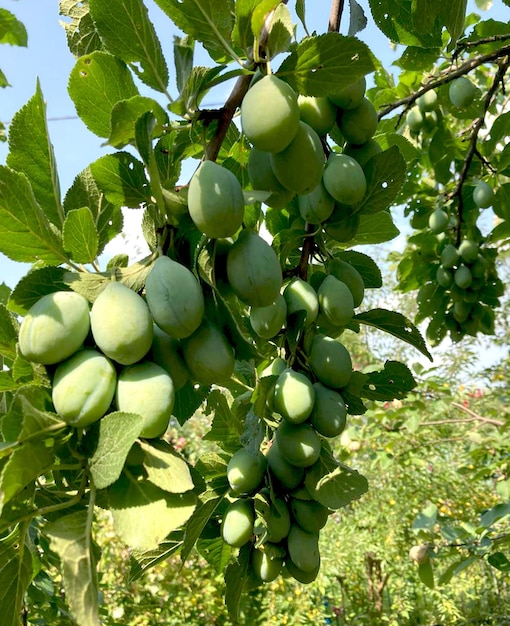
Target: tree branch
(445, 77)
(335, 15)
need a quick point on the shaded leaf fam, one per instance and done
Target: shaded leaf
(165, 467)
(82, 36)
(16, 573)
(394, 381)
(79, 236)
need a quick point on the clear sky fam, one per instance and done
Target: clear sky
(48, 59)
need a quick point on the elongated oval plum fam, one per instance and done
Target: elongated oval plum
(344, 179)
(275, 514)
(349, 275)
(316, 206)
(301, 296)
(449, 256)
(265, 567)
(147, 389)
(174, 297)
(309, 515)
(208, 355)
(483, 195)
(463, 277)
(300, 165)
(336, 301)
(253, 270)
(121, 324)
(270, 114)
(267, 321)
(245, 471)
(317, 112)
(444, 277)
(83, 387)
(299, 444)
(294, 396)
(288, 475)
(468, 250)
(359, 125)
(330, 361)
(303, 548)
(54, 327)
(427, 101)
(166, 352)
(364, 152)
(343, 229)
(438, 221)
(215, 201)
(305, 578)
(350, 96)
(329, 413)
(415, 119)
(262, 177)
(237, 524)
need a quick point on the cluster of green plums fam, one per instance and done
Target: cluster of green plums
(126, 352)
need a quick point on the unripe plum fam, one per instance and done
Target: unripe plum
(444, 277)
(267, 321)
(309, 514)
(275, 368)
(483, 195)
(364, 152)
(427, 101)
(342, 230)
(350, 96)
(215, 201)
(245, 471)
(174, 297)
(463, 277)
(438, 221)
(316, 206)
(359, 125)
(208, 355)
(146, 389)
(288, 475)
(462, 92)
(294, 396)
(165, 352)
(303, 548)
(300, 575)
(344, 179)
(336, 301)
(317, 112)
(419, 553)
(266, 568)
(54, 327)
(449, 256)
(299, 444)
(121, 324)
(414, 119)
(329, 412)
(349, 275)
(237, 525)
(468, 250)
(253, 270)
(83, 387)
(270, 114)
(330, 361)
(262, 177)
(300, 165)
(300, 295)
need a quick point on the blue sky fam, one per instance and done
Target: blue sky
(48, 59)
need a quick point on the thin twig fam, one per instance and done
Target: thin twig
(446, 77)
(474, 415)
(335, 15)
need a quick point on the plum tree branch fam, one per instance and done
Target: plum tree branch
(474, 417)
(335, 15)
(446, 77)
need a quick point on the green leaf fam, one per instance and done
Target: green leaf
(399, 21)
(333, 484)
(25, 231)
(397, 325)
(208, 21)
(97, 82)
(495, 514)
(79, 236)
(107, 216)
(8, 333)
(236, 577)
(500, 561)
(242, 35)
(376, 228)
(385, 174)
(12, 31)
(33, 286)
(426, 519)
(281, 31)
(31, 152)
(70, 538)
(124, 116)
(226, 429)
(259, 15)
(320, 65)
(406, 148)
(82, 36)
(127, 33)
(16, 573)
(143, 514)
(184, 48)
(365, 265)
(165, 467)
(426, 574)
(122, 179)
(394, 381)
(116, 433)
(143, 561)
(187, 401)
(208, 503)
(418, 59)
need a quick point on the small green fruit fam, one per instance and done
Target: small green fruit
(344, 179)
(330, 361)
(294, 396)
(237, 525)
(303, 548)
(287, 474)
(208, 355)
(438, 221)
(461, 92)
(414, 119)
(463, 277)
(301, 296)
(468, 250)
(483, 195)
(359, 125)
(316, 206)
(299, 444)
(329, 413)
(317, 112)
(449, 256)
(350, 96)
(336, 301)
(427, 101)
(267, 321)
(245, 471)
